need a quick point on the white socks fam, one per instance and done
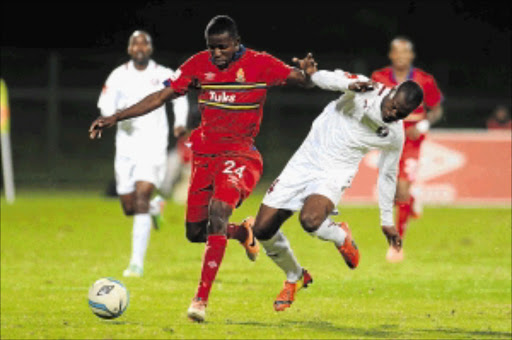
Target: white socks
(278, 249)
(140, 238)
(154, 205)
(330, 231)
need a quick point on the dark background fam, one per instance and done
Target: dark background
(465, 45)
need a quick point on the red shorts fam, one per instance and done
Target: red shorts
(228, 177)
(409, 161)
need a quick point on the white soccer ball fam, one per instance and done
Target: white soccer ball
(108, 298)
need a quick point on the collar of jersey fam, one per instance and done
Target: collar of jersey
(131, 65)
(409, 75)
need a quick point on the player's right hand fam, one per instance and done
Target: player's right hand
(308, 64)
(393, 237)
(99, 124)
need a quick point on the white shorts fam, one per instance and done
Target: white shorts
(129, 170)
(299, 180)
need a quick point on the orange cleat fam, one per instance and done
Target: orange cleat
(251, 245)
(197, 310)
(287, 295)
(349, 249)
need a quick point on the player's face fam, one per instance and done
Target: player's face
(393, 108)
(401, 55)
(222, 47)
(140, 49)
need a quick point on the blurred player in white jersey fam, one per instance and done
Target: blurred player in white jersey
(367, 116)
(141, 143)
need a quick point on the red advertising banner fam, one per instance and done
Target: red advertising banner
(456, 166)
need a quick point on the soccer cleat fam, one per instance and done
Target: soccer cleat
(395, 256)
(349, 249)
(158, 218)
(133, 271)
(197, 310)
(251, 245)
(287, 295)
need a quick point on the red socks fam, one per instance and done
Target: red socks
(237, 232)
(214, 252)
(404, 211)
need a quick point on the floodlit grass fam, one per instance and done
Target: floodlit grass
(455, 282)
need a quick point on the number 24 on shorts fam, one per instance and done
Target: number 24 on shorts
(232, 169)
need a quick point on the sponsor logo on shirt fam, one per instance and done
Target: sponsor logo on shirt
(221, 97)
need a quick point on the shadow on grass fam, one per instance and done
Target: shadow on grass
(382, 331)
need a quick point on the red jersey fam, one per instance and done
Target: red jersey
(230, 100)
(431, 93)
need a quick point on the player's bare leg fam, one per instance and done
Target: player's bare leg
(219, 213)
(314, 218)
(137, 204)
(266, 228)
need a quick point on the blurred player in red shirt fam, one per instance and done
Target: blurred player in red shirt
(233, 82)
(416, 125)
(499, 119)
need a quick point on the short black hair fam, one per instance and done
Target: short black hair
(412, 93)
(221, 24)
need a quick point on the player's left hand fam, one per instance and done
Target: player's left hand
(179, 131)
(362, 86)
(392, 236)
(412, 133)
(99, 124)
(308, 64)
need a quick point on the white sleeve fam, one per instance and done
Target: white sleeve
(180, 108)
(335, 81)
(386, 183)
(109, 98)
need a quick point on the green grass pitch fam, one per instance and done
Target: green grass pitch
(455, 282)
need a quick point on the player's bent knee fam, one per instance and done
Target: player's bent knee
(311, 221)
(263, 234)
(196, 233)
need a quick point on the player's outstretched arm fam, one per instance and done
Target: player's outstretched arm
(146, 105)
(339, 80)
(386, 184)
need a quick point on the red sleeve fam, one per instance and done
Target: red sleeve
(183, 76)
(275, 71)
(431, 93)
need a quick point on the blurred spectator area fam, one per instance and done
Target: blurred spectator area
(53, 96)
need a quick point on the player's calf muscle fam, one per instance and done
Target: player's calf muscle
(219, 213)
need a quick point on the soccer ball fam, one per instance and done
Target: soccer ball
(108, 298)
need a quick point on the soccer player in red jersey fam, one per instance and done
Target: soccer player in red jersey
(233, 82)
(416, 125)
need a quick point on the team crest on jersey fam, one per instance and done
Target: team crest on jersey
(209, 76)
(240, 76)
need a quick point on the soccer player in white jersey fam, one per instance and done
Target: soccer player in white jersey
(141, 143)
(367, 116)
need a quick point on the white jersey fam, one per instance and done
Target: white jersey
(340, 136)
(146, 136)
